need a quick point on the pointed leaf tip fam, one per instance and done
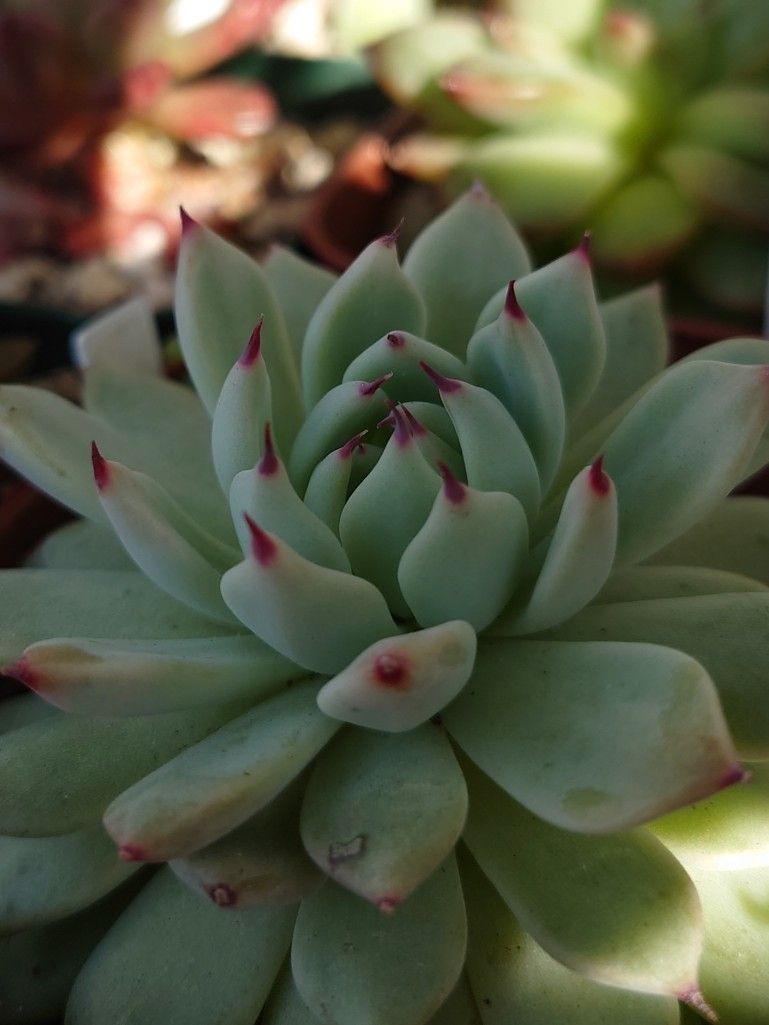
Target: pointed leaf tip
(453, 488)
(253, 347)
(512, 307)
(417, 428)
(584, 247)
(737, 774)
(263, 548)
(269, 464)
(479, 191)
(188, 223)
(388, 905)
(391, 238)
(443, 384)
(131, 852)
(599, 480)
(356, 442)
(22, 671)
(372, 387)
(693, 998)
(396, 339)
(100, 468)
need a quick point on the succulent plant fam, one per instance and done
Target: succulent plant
(80, 69)
(645, 121)
(422, 646)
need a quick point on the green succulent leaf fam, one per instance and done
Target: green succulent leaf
(398, 355)
(223, 967)
(617, 909)
(381, 813)
(19, 710)
(339, 936)
(44, 879)
(218, 783)
(594, 737)
(726, 633)
(298, 286)
(330, 482)
(514, 980)
(285, 1006)
(646, 583)
(81, 545)
(738, 189)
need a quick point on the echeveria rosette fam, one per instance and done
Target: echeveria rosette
(423, 644)
(642, 120)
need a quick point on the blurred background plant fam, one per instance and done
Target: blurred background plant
(646, 121)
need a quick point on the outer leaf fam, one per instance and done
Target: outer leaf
(317, 617)
(220, 294)
(328, 487)
(217, 784)
(459, 261)
(222, 969)
(737, 189)
(59, 774)
(339, 936)
(594, 737)
(371, 298)
(299, 286)
(382, 812)
(514, 980)
(645, 583)
(43, 880)
(726, 633)
(399, 354)
(81, 545)
(125, 336)
(618, 909)
(118, 677)
(716, 412)
(285, 1006)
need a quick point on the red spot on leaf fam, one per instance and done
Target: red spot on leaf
(388, 905)
(222, 895)
(391, 670)
(735, 775)
(396, 340)
(132, 852)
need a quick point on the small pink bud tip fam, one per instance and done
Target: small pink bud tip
(23, 672)
(417, 429)
(222, 895)
(269, 464)
(734, 776)
(263, 548)
(388, 905)
(585, 246)
(253, 347)
(100, 468)
(351, 446)
(373, 386)
(396, 340)
(453, 489)
(402, 433)
(512, 307)
(598, 479)
(391, 238)
(444, 384)
(391, 670)
(693, 998)
(130, 852)
(479, 191)
(188, 223)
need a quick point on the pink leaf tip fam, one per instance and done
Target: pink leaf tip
(373, 386)
(24, 672)
(453, 488)
(355, 443)
(263, 548)
(131, 852)
(512, 307)
(396, 340)
(388, 905)
(269, 464)
(100, 468)
(598, 480)
(444, 384)
(585, 246)
(250, 354)
(390, 240)
(733, 776)
(417, 429)
(479, 191)
(188, 223)
(693, 998)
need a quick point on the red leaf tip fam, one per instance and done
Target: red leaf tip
(598, 480)
(100, 468)
(354, 444)
(373, 386)
(131, 852)
(417, 429)
(444, 384)
(734, 776)
(269, 464)
(479, 191)
(585, 246)
(388, 905)
(250, 354)
(390, 240)
(453, 488)
(391, 670)
(694, 998)
(263, 548)
(396, 340)
(512, 307)
(23, 671)
(188, 223)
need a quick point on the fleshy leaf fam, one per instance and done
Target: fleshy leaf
(511, 359)
(128, 677)
(594, 737)
(285, 1006)
(579, 557)
(261, 862)
(58, 775)
(46, 879)
(81, 545)
(317, 617)
(215, 785)
(514, 980)
(646, 583)
(398, 354)
(299, 286)
(223, 965)
(736, 189)
(381, 813)
(125, 336)
(618, 909)
(328, 487)
(372, 297)
(458, 262)
(715, 414)
(387, 510)
(468, 557)
(726, 633)
(220, 294)
(339, 936)
(401, 682)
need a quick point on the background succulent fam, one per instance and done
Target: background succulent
(408, 643)
(643, 120)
